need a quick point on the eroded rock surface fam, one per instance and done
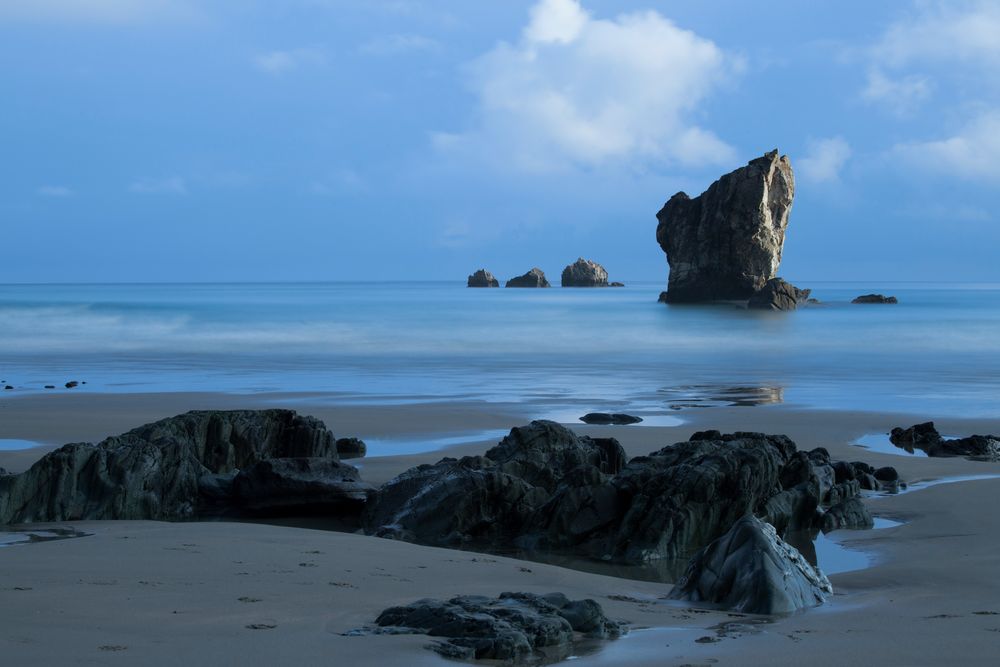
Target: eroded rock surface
(752, 570)
(584, 273)
(515, 628)
(726, 243)
(308, 485)
(156, 471)
(483, 278)
(533, 278)
(776, 294)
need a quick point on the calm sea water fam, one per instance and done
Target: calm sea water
(937, 353)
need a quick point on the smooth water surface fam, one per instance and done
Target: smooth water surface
(935, 353)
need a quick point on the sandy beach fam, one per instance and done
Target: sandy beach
(233, 593)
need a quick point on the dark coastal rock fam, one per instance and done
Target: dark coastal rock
(726, 243)
(609, 418)
(514, 628)
(483, 278)
(545, 488)
(314, 485)
(155, 471)
(752, 570)
(926, 437)
(8, 387)
(874, 298)
(71, 384)
(533, 278)
(50, 386)
(616, 284)
(351, 448)
(850, 513)
(584, 273)
(776, 294)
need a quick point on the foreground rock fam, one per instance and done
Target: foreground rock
(609, 418)
(543, 487)
(776, 294)
(483, 278)
(533, 278)
(875, 298)
(726, 243)
(351, 448)
(926, 438)
(584, 273)
(302, 486)
(516, 627)
(752, 570)
(158, 471)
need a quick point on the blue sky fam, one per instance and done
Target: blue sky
(174, 140)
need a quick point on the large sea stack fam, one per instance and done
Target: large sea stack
(726, 243)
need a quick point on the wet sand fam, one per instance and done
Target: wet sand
(209, 593)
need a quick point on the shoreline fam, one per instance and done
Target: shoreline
(918, 602)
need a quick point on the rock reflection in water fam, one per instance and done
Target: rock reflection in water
(11, 537)
(716, 396)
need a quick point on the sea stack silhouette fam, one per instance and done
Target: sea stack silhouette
(726, 243)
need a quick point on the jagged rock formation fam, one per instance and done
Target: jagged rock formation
(543, 487)
(160, 470)
(515, 628)
(483, 278)
(533, 278)
(875, 298)
(305, 485)
(727, 242)
(926, 438)
(351, 448)
(584, 273)
(776, 294)
(752, 570)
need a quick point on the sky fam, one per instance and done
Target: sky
(314, 140)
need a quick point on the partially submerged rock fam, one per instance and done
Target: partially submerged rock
(533, 278)
(752, 570)
(515, 628)
(874, 298)
(609, 418)
(584, 273)
(351, 448)
(156, 470)
(776, 294)
(483, 278)
(926, 437)
(726, 243)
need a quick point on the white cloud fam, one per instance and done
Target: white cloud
(392, 45)
(276, 62)
(902, 95)
(54, 191)
(173, 185)
(944, 32)
(97, 11)
(577, 90)
(973, 153)
(824, 161)
(339, 182)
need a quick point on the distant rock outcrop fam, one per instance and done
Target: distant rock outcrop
(875, 298)
(726, 243)
(483, 278)
(776, 294)
(752, 570)
(926, 437)
(533, 278)
(166, 470)
(584, 273)
(609, 418)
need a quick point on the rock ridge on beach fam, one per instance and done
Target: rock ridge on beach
(515, 627)
(726, 243)
(167, 470)
(926, 438)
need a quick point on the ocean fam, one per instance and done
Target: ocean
(935, 354)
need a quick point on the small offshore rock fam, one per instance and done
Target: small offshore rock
(351, 448)
(533, 278)
(50, 386)
(510, 628)
(616, 284)
(752, 570)
(71, 384)
(584, 273)
(875, 298)
(776, 294)
(483, 278)
(8, 387)
(609, 418)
